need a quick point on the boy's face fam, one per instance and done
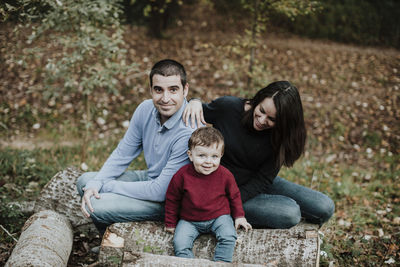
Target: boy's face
(206, 158)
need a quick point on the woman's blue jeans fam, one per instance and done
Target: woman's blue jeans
(111, 208)
(284, 203)
(222, 227)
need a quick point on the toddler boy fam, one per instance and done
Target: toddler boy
(201, 198)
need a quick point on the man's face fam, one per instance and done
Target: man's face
(168, 95)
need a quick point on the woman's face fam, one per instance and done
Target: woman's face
(264, 115)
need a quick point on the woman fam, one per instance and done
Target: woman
(261, 135)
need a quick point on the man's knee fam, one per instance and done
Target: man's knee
(82, 181)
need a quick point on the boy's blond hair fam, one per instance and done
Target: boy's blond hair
(206, 136)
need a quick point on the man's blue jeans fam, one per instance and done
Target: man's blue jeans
(111, 208)
(284, 203)
(222, 227)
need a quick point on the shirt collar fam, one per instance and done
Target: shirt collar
(174, 119)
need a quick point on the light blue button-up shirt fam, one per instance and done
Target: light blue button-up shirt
(165, 151)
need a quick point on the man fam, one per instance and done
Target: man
(156, 128)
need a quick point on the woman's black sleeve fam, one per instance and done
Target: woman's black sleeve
(259, 182)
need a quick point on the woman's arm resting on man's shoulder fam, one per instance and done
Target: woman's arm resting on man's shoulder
(193, 112)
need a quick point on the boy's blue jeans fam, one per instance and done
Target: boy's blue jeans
(222, 227)
(282, 205)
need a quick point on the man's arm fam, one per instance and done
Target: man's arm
(155, 189)
(128, 149)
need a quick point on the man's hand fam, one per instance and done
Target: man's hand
(170, 230)
(242, 222)
(194, 111)
(86, 200)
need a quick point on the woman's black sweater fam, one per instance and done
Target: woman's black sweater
(248, 154)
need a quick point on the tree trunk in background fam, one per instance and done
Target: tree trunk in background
(253, 42)
(46, 240)
(87, 122)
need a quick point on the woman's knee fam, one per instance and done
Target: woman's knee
(288, 218)
(273, 211)
(326, 208)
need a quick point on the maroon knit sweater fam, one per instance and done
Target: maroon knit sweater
(196, 197)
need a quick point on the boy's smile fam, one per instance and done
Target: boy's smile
(206, 159)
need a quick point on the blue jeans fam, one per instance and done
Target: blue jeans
(284, 203)
(111, 208)
(222, 227)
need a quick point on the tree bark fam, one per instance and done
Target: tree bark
(60, 194)
(46, 240)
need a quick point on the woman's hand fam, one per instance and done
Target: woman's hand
(242, 222)
(194, 111)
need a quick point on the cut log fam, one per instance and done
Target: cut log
(46, 240)
(274, 247)
(60, 194)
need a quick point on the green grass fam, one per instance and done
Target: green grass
(24, 173)
(362, 231)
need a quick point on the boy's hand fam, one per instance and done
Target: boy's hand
(242, 222)
(170, 230)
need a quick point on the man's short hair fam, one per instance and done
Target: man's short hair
(206, 136)
(168, 67)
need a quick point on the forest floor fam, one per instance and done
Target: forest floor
(350, 94)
